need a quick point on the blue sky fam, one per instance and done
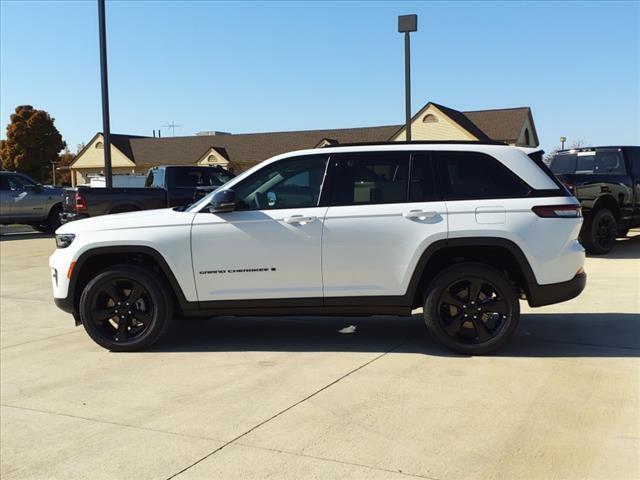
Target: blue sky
(273, 66)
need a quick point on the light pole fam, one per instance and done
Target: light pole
(562, 140)
(407, 24)
(106, 133)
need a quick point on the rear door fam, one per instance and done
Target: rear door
(27, 203)
(379, 222)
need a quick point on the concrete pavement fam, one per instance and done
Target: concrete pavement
(294, 398)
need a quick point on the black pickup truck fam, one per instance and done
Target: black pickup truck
(165, 186)
(606, 181)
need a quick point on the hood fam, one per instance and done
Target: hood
(121, 221)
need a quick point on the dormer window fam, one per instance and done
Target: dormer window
(429, 118)
(211, 158)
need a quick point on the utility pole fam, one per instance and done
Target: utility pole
(407, 24)
(106, 128)
(53, 171)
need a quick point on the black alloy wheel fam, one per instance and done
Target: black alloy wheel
(600, 232)
(126, 308)
(122, 309)
(471, 308)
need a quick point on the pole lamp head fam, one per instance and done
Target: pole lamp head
(407, 23)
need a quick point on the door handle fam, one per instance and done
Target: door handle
(299, 219)
(419, 214)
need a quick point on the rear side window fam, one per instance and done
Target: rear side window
(4, 182)
(155, 179)
(470, 175)
(370, 178)
(601, 161)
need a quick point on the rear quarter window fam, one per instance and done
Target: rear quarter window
(472, 175)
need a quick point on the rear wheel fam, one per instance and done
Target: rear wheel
(126, 308)
(599, 233)
(471, 308)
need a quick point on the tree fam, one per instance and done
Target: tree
(32, 143)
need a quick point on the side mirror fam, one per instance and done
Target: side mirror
(39, 188)
(223, 201)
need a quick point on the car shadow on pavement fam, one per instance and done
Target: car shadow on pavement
(538, 335)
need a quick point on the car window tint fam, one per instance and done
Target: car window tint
(422, 185)
(370, 178)
(16, 183)
(4, 182)
(293, 183)
(469, 175)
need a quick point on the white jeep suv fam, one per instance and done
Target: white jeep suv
(462, 229)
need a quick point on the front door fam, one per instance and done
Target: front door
(379, 223)
(27, 201)
(270, 246)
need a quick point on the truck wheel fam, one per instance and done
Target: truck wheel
(471, 308)
(599, 233)
(53, 220)
(126, 308)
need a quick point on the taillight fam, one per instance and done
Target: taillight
(558, 211)
(81, 204)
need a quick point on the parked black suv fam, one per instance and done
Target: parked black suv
(606, 180)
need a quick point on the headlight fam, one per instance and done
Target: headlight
(63, 240)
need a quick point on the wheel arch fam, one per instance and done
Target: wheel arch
(609, 202)
(98, 259)
(497, 252)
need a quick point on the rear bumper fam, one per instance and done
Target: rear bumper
(540, 295)
(66, 217)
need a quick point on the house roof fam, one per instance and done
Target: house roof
(247, 149)
(502, 124)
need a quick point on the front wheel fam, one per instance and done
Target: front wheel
(471, 308)
(126, 308)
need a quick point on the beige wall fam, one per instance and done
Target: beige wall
(79, 177)
(93, 157)
(521, 138)
(443, 129)
(218, 159)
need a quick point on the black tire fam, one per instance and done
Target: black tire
(146, 317)
(53, 220)
(598, 235)
(471, 308)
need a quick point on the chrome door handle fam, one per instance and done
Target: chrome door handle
(419, 214)
(299, 219)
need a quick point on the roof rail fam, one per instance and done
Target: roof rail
(417, 142)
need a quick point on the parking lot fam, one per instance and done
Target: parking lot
(297, 398)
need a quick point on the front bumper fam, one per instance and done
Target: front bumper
(540, 295)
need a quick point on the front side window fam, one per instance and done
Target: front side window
(292, 183)
(369, 178)
(18, 183)
(470, 175)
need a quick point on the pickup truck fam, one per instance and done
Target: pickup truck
(23, 200)
(165, 186)
(606, 181)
